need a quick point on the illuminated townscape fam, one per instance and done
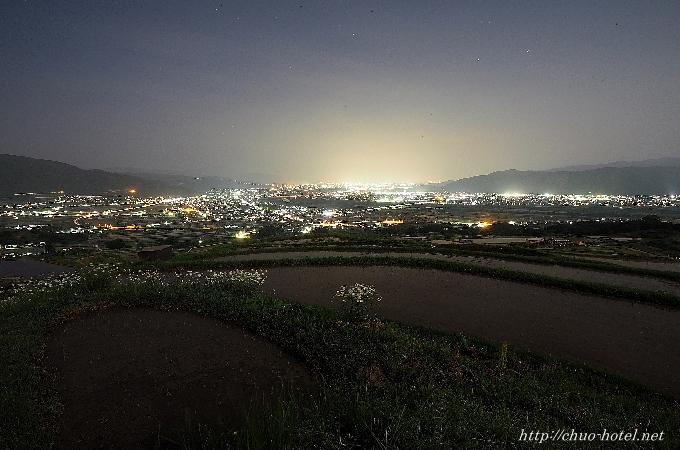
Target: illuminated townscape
(295, 210)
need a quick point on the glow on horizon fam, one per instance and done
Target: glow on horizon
(235, 93)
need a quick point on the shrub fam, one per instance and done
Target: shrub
(357, 301)
(238, 281)
(116, 244)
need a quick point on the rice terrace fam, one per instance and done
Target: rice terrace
(339, 225)
(284, 344)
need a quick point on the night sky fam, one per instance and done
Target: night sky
(339, 90)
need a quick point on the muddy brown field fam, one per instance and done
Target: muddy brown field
(141, 377)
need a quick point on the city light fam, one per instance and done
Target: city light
(304, 209)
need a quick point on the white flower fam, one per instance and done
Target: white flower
(359, 293)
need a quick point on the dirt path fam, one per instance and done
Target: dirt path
(633, 339)
(133, 377)
(555, 271)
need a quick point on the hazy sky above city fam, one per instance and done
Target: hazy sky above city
(339, 90)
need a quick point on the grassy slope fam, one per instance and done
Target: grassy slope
(388, 385)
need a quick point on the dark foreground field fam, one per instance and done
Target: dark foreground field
(153, 372)
(200, 360)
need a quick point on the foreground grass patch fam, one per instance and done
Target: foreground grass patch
(384, 384)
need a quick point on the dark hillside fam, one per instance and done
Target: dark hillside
(23, 174)
(608, 180)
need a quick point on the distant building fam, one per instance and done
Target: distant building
(161, 252)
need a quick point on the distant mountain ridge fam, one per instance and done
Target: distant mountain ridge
(24, 174)
(641, 180)
(657, 162)
(649, 177)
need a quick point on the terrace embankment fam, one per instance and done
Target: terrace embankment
(667, 266)
(631, 281)
(634, 339)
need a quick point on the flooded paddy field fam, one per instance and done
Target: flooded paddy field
(626, 280)
(634, 339)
